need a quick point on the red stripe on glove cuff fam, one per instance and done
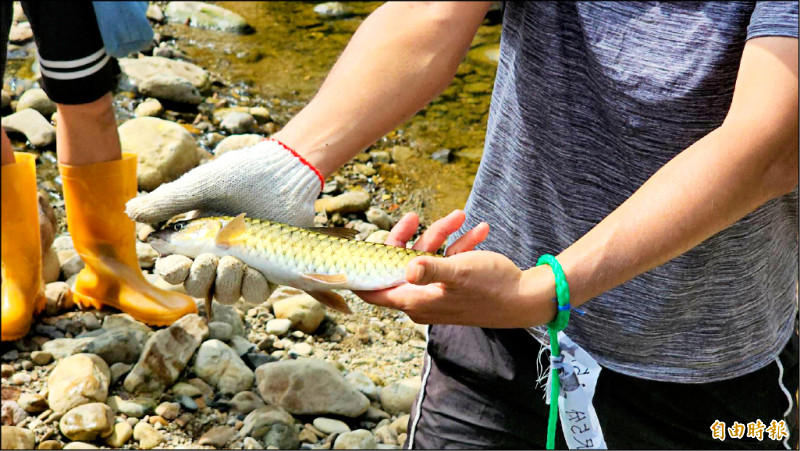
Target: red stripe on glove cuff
(302, 160)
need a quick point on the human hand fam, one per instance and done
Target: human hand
(265, 181)
(476, 288)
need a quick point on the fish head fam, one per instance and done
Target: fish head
(190, 238)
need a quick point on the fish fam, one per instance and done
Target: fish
(316, 260)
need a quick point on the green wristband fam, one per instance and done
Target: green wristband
(558, 323)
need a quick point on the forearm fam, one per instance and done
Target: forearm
(400, 58)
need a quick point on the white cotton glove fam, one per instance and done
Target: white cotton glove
(267, 180)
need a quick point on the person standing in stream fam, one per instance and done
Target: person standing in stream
(651, 146)
(97, 179)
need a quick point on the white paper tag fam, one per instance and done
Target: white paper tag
(578, 381)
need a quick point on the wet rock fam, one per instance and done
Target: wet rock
(154, 13)
(377, 237)
(238, 122)
(37, 99)
(137, 70)
(218, 436)
(50, 444)
(309, 386)
(29, 122)
(330, 426)
(223, 313)
(358, 439)
(20, 33)
(32, 402)
(70, 262)
(273, 426)
(88, 422)
(334, 10)
(170, 87)
(246, 402)
(206, 15)
(11, 413)
(118, 371)
(136, 407)
(279, 326)
(380, 218)
(402, 153)
(219, 331)
(256, 359)
(150, 107)
(398, 397)
(165, 355)
(14, 437)
(77, 380)
(236, 142)
(220, 366)
(168, 410)
(41, 357)
(165, 150)
(173, 268)
(187, 403)
(304, 312)
(350, 202)
(441, 155)
(121, 434)
(363, 383)
(147, 435)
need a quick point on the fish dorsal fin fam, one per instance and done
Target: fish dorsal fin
(338, 232)
(230, 231)
(331, 299)
(327, 279)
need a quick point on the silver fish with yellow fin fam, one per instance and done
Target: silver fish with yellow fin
(315, 260)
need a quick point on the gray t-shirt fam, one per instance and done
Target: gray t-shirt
(590, 100)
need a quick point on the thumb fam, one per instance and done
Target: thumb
(425, 270)
(165, 201)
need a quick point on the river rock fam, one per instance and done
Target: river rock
(398, 397)
(77, 380)
(309, 387)
(236, 142)
(114, 345)
(70, 262)
(246, 402)
(358, 439)
(242, 345)
(20, 33)
(136, 407)
(273, 426)
(402, 153)
(33, 125)
(206, 15)
(147, 435)
(330, 426)
(165, 355)
(41, 357)
(184, 389)
(146, 254)
(400, 425)
(59, 298)
(386, 435)
(168, 410)
(88, 422)
(305, 312)
(218, 436)
(150, 107)
(380, 156)
(223, 313)
(380, 218)
(14, 437)
(37, 99)
(278, 326)
(51, 268)
(238, 122)
(32, 402)
(219, 331)
(11, 413)
(363, 383)
(118, 371)
(121, 434)
(378, 237)
(170, 87)
(332, 10)
(79, 445)
(137, 70)
(350, 202)
(154, 13)
(220, 366)
(165, 150)
(50, 444)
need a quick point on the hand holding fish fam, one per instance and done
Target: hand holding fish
(477, 288)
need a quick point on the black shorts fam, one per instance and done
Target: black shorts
(479, 391)
(73, 61)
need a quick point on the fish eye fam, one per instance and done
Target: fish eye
(178, 226)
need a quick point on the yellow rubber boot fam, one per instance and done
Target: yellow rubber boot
(22, 291)
(104, 236)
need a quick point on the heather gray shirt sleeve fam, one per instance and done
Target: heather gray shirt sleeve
(590, 100)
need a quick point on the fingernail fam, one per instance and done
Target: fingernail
(419, 273)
